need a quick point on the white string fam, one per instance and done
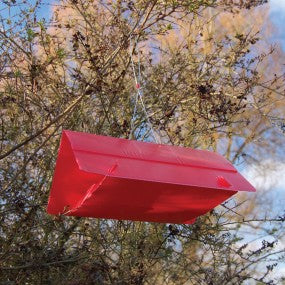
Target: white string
(139, 95)
(139, 66)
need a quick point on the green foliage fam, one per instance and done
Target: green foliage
(61, 53)
(31, 34)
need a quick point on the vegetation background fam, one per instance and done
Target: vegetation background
(211, 78)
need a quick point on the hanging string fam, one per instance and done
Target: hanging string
(139, 95)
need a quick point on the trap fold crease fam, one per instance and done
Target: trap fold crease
(112, 178)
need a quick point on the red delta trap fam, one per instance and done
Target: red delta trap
(105, 177)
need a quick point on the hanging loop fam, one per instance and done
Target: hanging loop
(139, 94)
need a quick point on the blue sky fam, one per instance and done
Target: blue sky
(277, 13)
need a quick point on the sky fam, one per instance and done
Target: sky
(270, 174)
(273, 178)
(277, 13)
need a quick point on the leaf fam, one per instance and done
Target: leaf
(60, 53)
(31, 34)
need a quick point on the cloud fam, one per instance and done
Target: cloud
(256, 244)
(277, 5)
(267, 175)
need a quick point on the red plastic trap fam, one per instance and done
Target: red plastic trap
(105, 177)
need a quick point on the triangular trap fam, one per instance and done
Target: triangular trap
(105, 177)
